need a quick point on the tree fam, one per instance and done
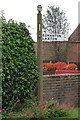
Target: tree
(2, 15)
(55, 21)
(19, 69)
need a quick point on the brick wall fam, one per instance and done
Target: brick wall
(70, 55)
(73, 53)
(65, 88)
(68, 50)
(49, 48)
(48, 51)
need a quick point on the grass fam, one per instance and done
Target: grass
(74, 113)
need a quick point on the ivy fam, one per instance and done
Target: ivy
(19, 69)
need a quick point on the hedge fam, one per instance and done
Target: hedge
(19, 69)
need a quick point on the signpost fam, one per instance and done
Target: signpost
(39, 52)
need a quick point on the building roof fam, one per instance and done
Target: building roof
(75, 36)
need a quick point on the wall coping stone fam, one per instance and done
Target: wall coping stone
(60, 75)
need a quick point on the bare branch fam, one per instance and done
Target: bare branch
(55, 21)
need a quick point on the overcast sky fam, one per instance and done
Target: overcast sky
(26, 11)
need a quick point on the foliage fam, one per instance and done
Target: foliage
(58, 66)
(71, 67)
(35, 109)
(48, 68)
(55, 21)
(19, 69)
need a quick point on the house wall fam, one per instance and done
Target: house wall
(75, 36)
(73, 54)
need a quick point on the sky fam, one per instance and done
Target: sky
(26, 11)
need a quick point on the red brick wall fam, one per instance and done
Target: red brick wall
(73, 54)
(64, 88)
(48, 49)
